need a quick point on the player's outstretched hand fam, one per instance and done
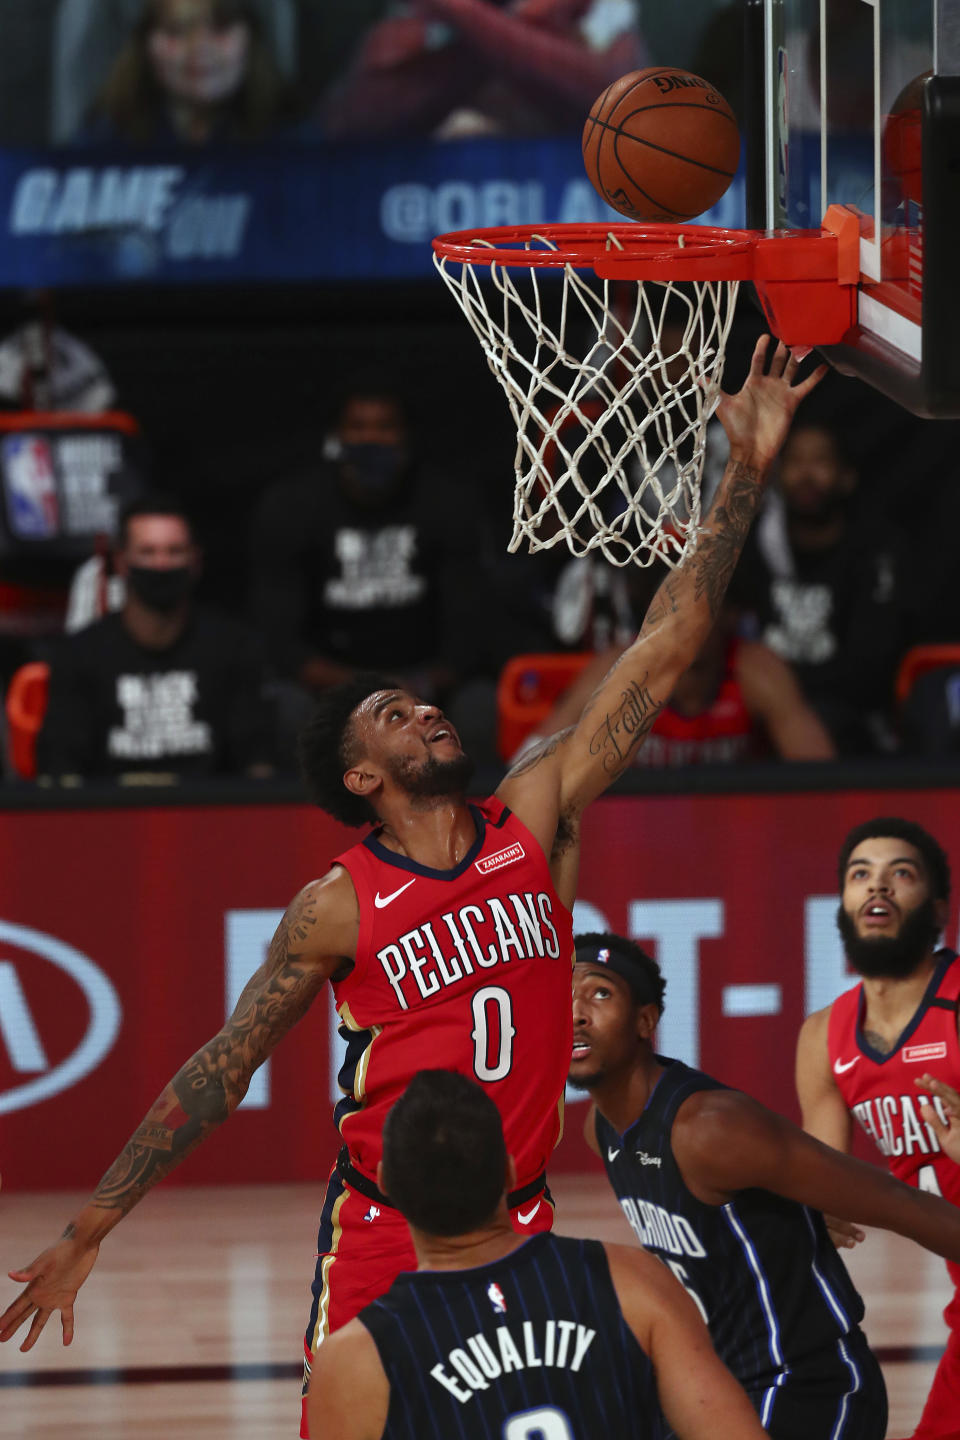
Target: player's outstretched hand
(844, 1234)
(759, 415)
(52, 1283)
(948, 1134)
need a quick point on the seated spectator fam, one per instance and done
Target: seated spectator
(829, 589)
(163, 688)
(737, 701)
(370, 560)
(450, 68)
(194, 71)
(930, 719)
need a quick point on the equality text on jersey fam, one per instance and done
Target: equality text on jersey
(556, 1344)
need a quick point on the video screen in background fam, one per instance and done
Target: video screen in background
(186, 140)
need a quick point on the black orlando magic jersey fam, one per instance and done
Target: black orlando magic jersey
(781, 1308)
(530, 1346)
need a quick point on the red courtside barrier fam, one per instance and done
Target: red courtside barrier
(125, 934)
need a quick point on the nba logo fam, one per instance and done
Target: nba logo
(495, 1296)
(372, 1214)
(31, 487)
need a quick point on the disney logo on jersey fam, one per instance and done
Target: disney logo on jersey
(491, 932)
(646, 1159)
(509, 856)
(497, 1298)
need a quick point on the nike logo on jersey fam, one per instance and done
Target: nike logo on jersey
(612, 1154)
(525, 1219)
(840, 1067)
(381, 900)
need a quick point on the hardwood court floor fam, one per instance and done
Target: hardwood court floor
(191, 1324)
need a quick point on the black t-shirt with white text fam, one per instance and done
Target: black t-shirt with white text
(194, 709)
(386, 587)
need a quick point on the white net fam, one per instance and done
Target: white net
(611, 385)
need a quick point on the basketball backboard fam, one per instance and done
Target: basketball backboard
(857, 103)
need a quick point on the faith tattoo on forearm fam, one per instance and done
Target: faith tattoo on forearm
(623, 729)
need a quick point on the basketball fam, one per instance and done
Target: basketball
(661, 144)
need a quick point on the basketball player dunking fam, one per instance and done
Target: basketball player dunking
(447, 933)
(495, 1335)
(887, 1047)
(728, 1194)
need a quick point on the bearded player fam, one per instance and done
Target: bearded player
(726, 1192)
(887, 1051)
(446, 933)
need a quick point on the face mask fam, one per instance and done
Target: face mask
(371, 473)
(161, 590)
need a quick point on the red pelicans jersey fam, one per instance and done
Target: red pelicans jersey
(879, 1089)
(721, 733)
(466, 969)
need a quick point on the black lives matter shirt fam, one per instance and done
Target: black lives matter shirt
(194, 709)
(390, 587)
(763, 1271)
(532, 1346)
(840, 616)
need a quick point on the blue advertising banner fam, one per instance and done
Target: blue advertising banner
(313, 212)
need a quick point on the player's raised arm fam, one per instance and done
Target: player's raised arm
(697, 1393)
(584, 760)
(316, 933)
(724, 1141)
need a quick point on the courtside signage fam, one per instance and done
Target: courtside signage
(22, 1037)
(745, 932)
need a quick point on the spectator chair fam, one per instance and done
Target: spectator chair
(26, 705)
(527, 689)
(918, 660)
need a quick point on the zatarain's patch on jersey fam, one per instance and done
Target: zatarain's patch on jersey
(919, 1054)
(503, 857)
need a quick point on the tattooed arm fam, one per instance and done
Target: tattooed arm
(315, 941)
(574, 767)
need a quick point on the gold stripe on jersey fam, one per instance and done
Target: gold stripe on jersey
(561, 1117)
(358, 1090)
(321, 1329)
